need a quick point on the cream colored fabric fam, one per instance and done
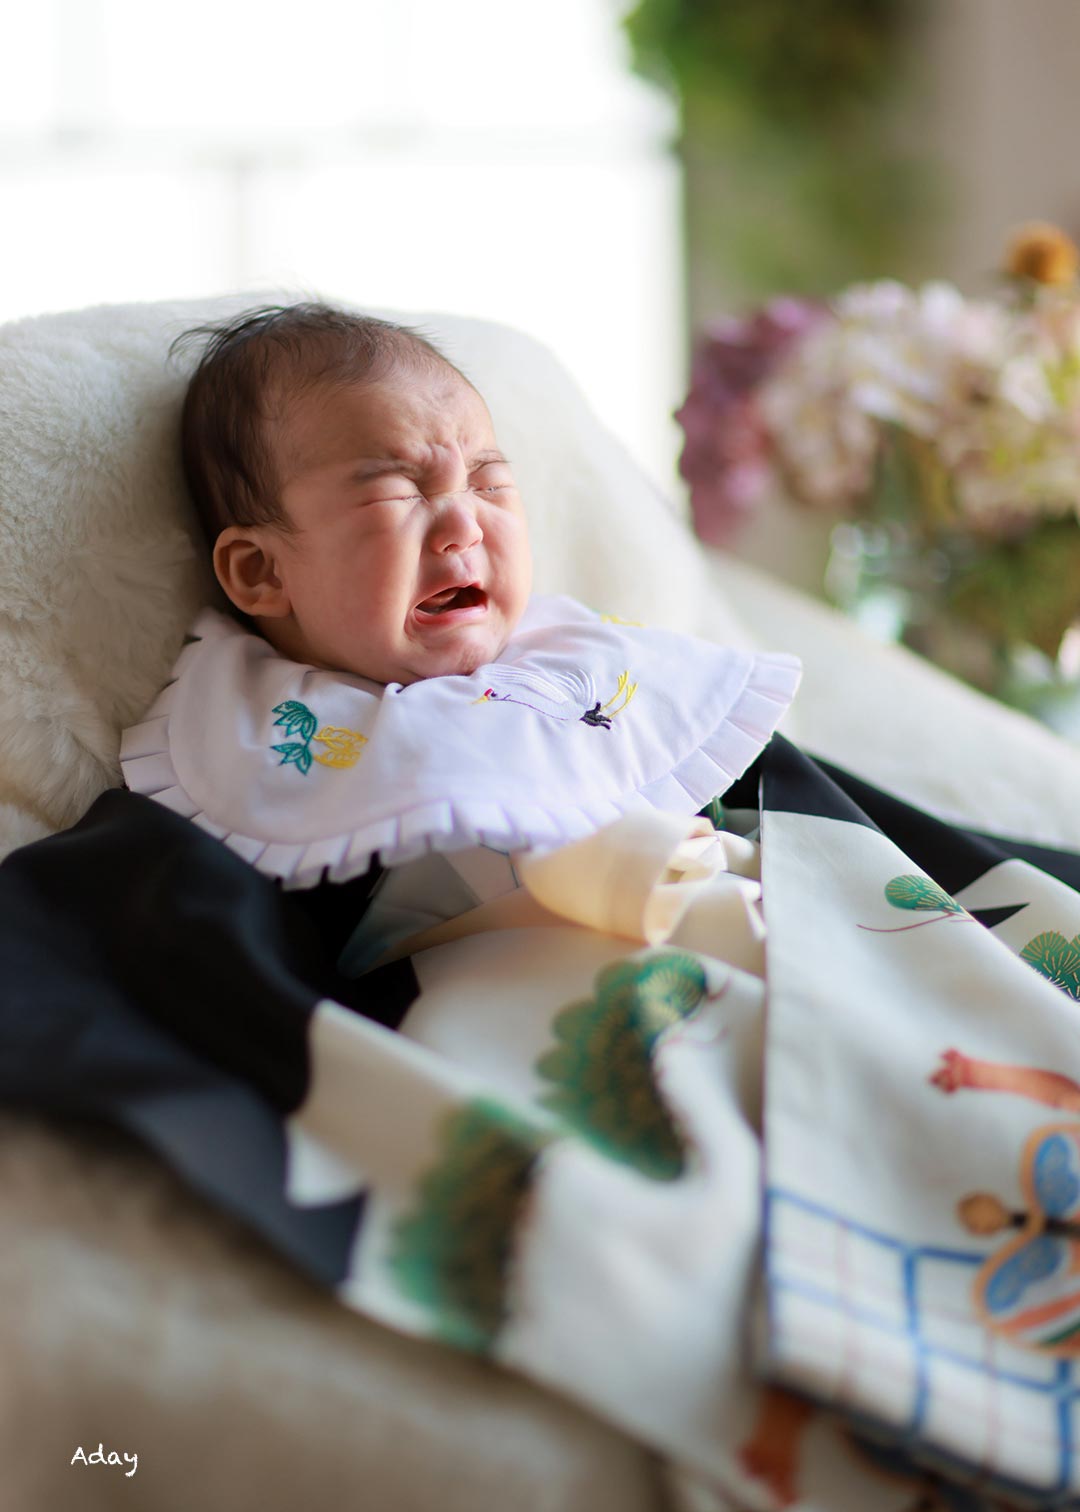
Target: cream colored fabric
(650, 877)
(661, 880)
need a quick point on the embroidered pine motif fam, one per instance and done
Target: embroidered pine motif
(343, 747)
(599, 715)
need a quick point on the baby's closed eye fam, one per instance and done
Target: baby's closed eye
(488, 478)
(491, 477)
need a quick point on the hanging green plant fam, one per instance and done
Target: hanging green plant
(803, 66)
(795, 176)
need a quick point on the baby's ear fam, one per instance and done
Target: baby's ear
(246, 567)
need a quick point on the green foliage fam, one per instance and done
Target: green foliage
(798, 65)
(1024, 591)
(795, 177)
(909, 477)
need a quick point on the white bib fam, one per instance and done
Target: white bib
(306, 772)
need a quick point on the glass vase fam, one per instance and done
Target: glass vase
(896, 585)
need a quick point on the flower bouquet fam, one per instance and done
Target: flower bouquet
(942, 435)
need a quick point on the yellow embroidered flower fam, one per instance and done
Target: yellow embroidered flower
(1043, 252)
(343, 747)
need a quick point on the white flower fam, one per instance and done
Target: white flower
(916, 355)
(1018, 452)
(919, 359)
(823, 442)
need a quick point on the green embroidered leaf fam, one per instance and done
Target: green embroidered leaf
(601, 1064)
(293, 752)
(452, 1252)
(303, 761)
(296, 717)
(1057, 959)
(917, 892)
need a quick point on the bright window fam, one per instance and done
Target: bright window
(483, 157)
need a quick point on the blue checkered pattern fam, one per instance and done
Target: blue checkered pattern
(886, 1331)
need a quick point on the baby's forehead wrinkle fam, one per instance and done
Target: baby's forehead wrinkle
(428, 457)
(430, 420)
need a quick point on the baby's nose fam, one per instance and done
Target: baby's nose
(455, 526)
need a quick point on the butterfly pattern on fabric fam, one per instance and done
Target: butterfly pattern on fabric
(1030, 1290)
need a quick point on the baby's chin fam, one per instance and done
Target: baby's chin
(458, 653)
(452, 661)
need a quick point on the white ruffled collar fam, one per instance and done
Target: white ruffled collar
(307, 773)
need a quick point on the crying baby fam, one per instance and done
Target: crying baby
(354, 496)
(387, 699)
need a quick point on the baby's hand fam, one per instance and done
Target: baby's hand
(952, 1074)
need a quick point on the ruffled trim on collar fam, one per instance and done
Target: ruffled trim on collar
(459, 824)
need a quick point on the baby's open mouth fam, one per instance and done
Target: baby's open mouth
(452, 598)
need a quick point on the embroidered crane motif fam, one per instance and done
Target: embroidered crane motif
(600, 715)
(625, 691)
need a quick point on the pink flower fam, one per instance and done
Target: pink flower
(726, 458)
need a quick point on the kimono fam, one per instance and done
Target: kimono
(693, 1124)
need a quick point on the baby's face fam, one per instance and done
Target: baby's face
(411, 555)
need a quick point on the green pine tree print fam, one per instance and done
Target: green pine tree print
(602, 1066)
(1056, 958)
(452, 1252)
(917, 892)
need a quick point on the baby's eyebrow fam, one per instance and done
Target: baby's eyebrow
(381, 467)
(486, 456)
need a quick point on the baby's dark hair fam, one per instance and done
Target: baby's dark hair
(248, 366)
